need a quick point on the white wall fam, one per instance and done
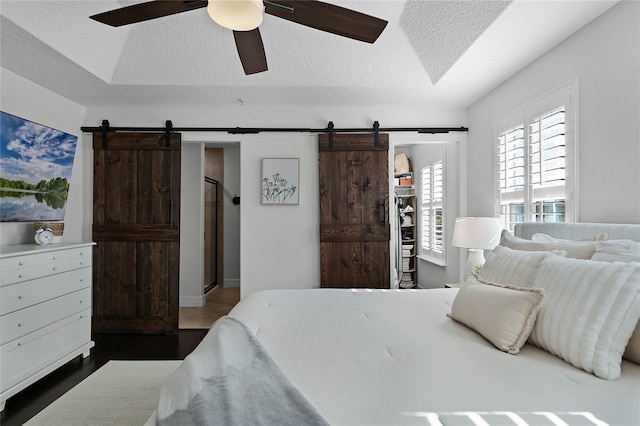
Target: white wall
(27, 100)
(604, 56)
(280, 243)
(191, 224)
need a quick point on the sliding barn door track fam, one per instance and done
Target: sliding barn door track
(330, 129)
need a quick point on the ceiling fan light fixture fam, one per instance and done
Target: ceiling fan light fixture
(237, 15)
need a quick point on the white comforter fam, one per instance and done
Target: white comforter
(390, 357)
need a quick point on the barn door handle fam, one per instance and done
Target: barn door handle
(386, 211)
(171, 213)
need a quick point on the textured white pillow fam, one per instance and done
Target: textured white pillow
(514, 267)
(504, 315)
(589, 312)
(617, 251)
(576, 249)
(622, 251)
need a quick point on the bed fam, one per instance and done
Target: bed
(398, 357)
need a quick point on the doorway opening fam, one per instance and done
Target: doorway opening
(210, 284)
(436, 185)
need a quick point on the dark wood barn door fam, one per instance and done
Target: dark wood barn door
(354, 212)
(136, 225)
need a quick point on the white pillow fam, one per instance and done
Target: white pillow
(589, 312)
(617, 251)
(504, 315)
(514, 267)
(549, 239)
(576, 249)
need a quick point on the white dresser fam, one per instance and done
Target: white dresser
(45, 311)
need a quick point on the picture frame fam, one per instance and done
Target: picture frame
(280, 181)
(35, 170)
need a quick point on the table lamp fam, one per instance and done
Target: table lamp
(476, 234)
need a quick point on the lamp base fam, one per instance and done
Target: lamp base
(476, 257)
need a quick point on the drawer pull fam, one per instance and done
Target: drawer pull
(54, 258)
(81, 301)
(19, 297)
(20, 263)
(53, 269)
(19, 324)
(20, 275)
(19, 343)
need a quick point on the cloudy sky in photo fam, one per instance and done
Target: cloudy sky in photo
(32, 152)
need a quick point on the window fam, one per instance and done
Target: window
(535, 161)
(432, 212)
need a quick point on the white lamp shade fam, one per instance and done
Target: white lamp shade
(237, 15)
(476, 232)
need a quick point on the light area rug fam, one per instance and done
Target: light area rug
(119, 393)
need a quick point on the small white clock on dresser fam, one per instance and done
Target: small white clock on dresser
(45, 311)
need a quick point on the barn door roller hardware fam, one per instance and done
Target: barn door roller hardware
(376, 134)
(330, 132)
(330, 129)
(168, 127)
(104, 129)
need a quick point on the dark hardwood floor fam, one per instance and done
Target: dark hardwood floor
(26, 404)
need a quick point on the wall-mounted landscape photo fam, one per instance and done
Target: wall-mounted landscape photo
(35, 170)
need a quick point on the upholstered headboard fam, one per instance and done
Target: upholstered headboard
(575, 231)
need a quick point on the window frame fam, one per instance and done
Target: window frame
(567, 96)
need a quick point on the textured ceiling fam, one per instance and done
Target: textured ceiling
(432, 53)
(441, 31)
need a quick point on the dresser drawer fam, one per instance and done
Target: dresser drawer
(44, 270)
(25, 321)
(36, 264)
(22, 295)
(26, 356)
(34, 258)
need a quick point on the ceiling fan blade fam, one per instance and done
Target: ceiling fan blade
(251, 51)
(146, 11)
(328, 17)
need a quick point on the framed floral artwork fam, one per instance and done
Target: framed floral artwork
(280, 177)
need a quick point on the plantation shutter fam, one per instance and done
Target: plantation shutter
(547, 155)
(511, 179)
(432, 196)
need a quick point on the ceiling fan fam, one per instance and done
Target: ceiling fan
(244, 17)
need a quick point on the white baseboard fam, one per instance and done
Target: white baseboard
(231, 283)
(191, 301)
